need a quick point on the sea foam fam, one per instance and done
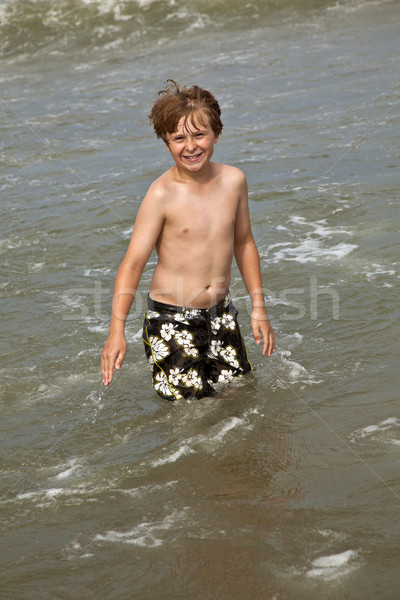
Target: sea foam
(147, 533)
(385, 432)
(313, 244)
(333, 566)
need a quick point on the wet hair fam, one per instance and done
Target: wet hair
(175, 102)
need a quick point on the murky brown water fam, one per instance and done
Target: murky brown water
(286, 485)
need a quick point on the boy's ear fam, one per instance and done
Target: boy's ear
(167, 147)
(216, 139)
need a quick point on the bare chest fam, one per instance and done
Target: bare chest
(201, 220)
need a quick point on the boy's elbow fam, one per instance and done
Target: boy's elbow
(130, 268)
(247, 257)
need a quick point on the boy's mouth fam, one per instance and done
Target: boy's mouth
(192, 157)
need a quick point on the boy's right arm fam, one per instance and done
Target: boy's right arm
(148, 226)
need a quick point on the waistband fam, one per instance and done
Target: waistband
(212, 310)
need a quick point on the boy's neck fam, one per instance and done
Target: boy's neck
(201, 177)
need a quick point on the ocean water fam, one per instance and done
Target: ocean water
(285, 486)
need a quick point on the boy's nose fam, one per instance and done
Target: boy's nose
(190, 142)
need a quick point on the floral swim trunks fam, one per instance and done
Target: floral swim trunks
(191, 349)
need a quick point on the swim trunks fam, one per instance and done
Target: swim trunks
(191, 349)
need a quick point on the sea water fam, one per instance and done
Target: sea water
(286, 485)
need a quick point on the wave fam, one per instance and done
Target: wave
(59, 26)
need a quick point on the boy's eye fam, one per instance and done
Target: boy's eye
(179, 139)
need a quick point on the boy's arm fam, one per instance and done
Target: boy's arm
(148, 225)
(248, 261)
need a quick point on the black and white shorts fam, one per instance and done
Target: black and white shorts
(190, 349)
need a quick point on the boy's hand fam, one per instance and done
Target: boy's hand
(260, 324)
(112, 356)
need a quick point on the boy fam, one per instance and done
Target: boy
(196, 215)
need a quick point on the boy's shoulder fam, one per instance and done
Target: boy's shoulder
(230, 175)
(160, 185)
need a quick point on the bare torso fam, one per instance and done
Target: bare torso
(196, 243)
(197, 216)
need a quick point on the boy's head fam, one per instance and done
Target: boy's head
(175, 103)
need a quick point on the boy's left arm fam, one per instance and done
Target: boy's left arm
(248, 261)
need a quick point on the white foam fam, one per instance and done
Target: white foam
(310, 250)
(294, 372)
(54, 492)
(354, 6)
(206, 442)
(289, 371)
(27, 495)
(33, 267)
(140, 536)
(145, 3)
(146, 534)
(333, 566)
(147, 489)
(291, 340)
(174, 456)
(47, 496)
(127, 233)
(199, 23)
(98, 328)
(390, 421)
(313, 246)
(334, 560)
(230, 424)
(44, 494)
(333, 535)
(96, 271)
(379, 271)
(381, 432)
(71, 467)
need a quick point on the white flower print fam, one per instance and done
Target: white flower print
(183, 338)
(228, 321)
(229, 355)
(152, 314)
(167, 331)
(215, 347)
(190, 351)
(162, 385)
(181, 318)
(159, 349)
(190, 314)
(175, 376)
(224, 376)
(192, 379)
(215, 324)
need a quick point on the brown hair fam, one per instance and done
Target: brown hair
(175, 102)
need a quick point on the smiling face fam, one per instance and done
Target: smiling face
(192, 144)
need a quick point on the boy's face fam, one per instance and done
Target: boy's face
(192, 144)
